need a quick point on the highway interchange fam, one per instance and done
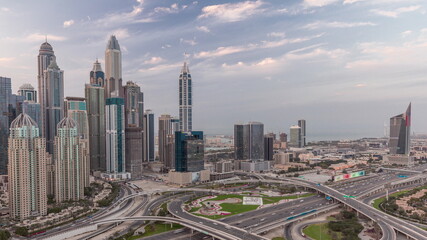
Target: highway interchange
(248, 225)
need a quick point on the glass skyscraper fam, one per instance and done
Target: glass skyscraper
(149, 136)
(400, 133)
(185, 100)
(189, 151)
(5, 93)
(249, 141)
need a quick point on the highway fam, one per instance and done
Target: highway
(175, 209)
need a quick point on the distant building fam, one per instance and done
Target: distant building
(5, 92)
(185, 100)
(268, 147)
(283, 137)
(72, 173)
(97, 77)
(95, 100)
(189, 151)
(30, 105)
(167, 128)
(113, 69)
(134, 151)
(27, 169)
(400, 133)
(302, 125)
(134, 105)
(295, 133)
(115, 139)
(28, 92)
(149, 136)
(223, 167)
(249, 141)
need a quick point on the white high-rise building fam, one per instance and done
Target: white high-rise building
(113, 69)
(185, 100)
(27, 169)
(71, 167)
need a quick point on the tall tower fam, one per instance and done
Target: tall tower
(113, 69)
(249, 141)
(189, 151)
(134, 105)
(30, 105)
(185, 100)
(5, 93)
(167, 128)
(400, 133)
(52, 102)
(295, 133)
(95, 101)
(97, 75)
(148, 136)
(301, 124)
(115, 138)
(71, 167)
(27, 169)
(45, 57)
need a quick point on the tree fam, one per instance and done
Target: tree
(22, 231)
(4, 235)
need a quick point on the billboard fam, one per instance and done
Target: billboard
(349, 175)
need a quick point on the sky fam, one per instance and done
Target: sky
(346, 66)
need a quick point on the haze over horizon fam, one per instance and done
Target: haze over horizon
(346, 66)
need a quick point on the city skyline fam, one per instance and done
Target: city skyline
(349, 69)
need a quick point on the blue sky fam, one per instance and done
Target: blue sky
(345, 66)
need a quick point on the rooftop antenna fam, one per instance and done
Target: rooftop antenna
(45, 37)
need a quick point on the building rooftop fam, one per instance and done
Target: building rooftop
(23, 120)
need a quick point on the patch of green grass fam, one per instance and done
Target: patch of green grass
(194, 209)
(378, 201)
(158, 228)
(278, 238)
(319, 231)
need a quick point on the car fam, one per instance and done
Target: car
(262, 219)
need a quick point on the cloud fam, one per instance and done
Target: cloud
(203, 29)
(352, 1)
(406, 33)
(266, 61)
(37, 37)
(318, 3)
(222, 51)
(154, 60)
(191, 42)
(335, 53)
(395, 13)
(361, 85)
(5, 9)
(166, 46)
(120, 33)
(322, 24)
(4, 59)
(162, 67)
(68, 23)
(276, 34)
(172, 9)
(134, 16)
(232, 12)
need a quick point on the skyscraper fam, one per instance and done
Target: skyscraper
(283, 137)
(115, 138)
(5, 92)
(45, 57)
(27, 169)
(97, 75)
(249, 141)
(95, 100)
(185, 100)
(400, 133)
(113, 69)
(149, 136)
(134, 105)
(71, 168)
(134, 151)
(268, 147)
(76, 109)
(295, 133)
(52, 103)
(167, 128)
(30, 105)
(301, 124)
(189, 151)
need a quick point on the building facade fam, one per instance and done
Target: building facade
(134, 156)
(268, 147)
(113, 69)
(27, 169)
(134, 105)
(115, 138)
(400, 133)
(189, 151)
(149, 150)
(185, 100)
(167, 128)
(302, 125)
(95, 101)
(249, 141)
(71, 168)
(295, 133)
(5, 92)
